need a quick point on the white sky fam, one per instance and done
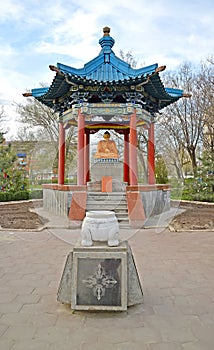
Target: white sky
(34, 34)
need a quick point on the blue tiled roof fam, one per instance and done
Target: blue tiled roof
(115, 69)
(107, 68)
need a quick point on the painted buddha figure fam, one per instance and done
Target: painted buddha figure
(106, 148)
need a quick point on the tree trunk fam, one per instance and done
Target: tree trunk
(192, 154)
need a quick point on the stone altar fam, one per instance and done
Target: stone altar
(100, 226)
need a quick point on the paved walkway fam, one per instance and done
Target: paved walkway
(176, 270)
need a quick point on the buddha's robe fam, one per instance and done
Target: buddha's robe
(106, 149)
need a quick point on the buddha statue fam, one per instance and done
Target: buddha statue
(106, 148)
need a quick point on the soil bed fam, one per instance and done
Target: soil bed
(19, 215)
(197, 216)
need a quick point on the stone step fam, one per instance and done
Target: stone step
(106, 199)
(107, 193)
(123, 222)
(116, 210)
(122, 218)
(110, 195)
(114, 201)
(106, 203)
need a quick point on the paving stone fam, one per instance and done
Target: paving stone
(165, 346)
(132, 346)
(204, 333)
(109, 346)
(71, 321)
(44, 319)
(3, 328)
(141, 335)
(6, 344)
(28, 298)
(19, 332)
(31, 308)
(15, 319)
(65, 346)
(177, 334)
(207, 319)
(31, 345)
(167, 309)
(10, 307)
(107, 323)
(52, 334)
(7, 297)
(198, 345)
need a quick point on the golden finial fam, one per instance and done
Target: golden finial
(106, 31)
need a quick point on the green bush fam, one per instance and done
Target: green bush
(203, 197)
(193, 189)
(161, 172)
(20, 195)
(36, 194)
(4, 196)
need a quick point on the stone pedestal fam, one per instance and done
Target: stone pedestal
(107, 168)
(100, 278)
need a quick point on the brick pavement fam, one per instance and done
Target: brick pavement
(176, 270)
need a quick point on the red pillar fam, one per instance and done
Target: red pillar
(133, 150)
(151, 155)
(126, 158)
(80, 149)
(61, 159)
(86, 158)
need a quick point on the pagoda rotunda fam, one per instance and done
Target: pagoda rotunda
(107, 93)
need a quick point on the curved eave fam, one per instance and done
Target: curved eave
(174, 93)
(165, 96)
(62, 83)
(39, 92)
(153, 86)
(58, 88)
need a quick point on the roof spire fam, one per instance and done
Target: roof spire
(106, 42)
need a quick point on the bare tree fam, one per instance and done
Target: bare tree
(35, 115)
(40, 123)
(205, 83)
(184, 120)
(128, 58)
(175, 156)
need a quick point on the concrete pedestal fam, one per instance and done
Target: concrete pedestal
(113, 169)
(100, 278)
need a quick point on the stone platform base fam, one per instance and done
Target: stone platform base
(100, 278)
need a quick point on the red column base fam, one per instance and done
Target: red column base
(136, 211)
(78, 206)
